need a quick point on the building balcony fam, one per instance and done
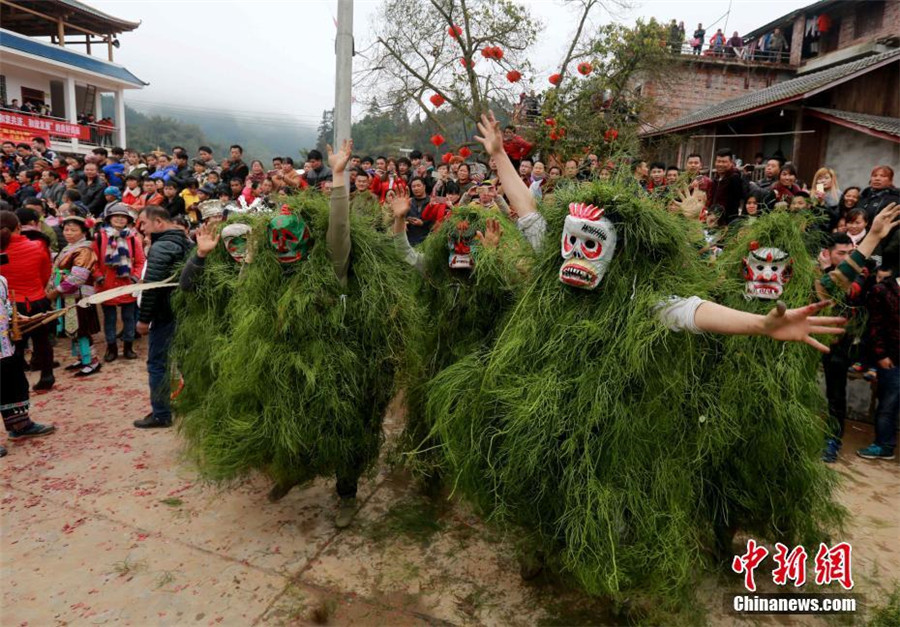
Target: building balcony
(61, 135)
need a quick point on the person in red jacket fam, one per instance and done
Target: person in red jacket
(120, 260)
(27, 270)
(515, 146)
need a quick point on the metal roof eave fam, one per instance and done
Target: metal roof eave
(853, 125)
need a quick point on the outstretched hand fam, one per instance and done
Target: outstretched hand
(886, 219)
(492, 233)
(400, 203)
(798, 325)
(338, 160)
(207, 239)
(689, 205)
(491, 137)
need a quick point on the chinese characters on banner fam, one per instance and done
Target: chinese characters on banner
(832, 565)
(20, 127)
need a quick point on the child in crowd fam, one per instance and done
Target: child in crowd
(131, 195)
(73, 279)
(120, 261)
(713, 234)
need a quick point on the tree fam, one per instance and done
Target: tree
(608, 104)
(439, 47)
(326, 130)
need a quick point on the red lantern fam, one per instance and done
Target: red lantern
(611, 135)
(446, 157)
(437, 140)
(585, 68)
(464, 152)
(454, 31)
(550, 122)
(466, 63)
(437, 100)
(487, 53)
(498, 52)
(554, 135)
(513, 76)
(555, 79)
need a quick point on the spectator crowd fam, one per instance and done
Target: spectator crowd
(74, 225)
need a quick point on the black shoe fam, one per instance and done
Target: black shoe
(2, 451)
(112, 352)
(149, 422)
(36, 430)
(92, 368)
(128, 352)
(44, 384)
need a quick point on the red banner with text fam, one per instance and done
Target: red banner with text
(21, 127)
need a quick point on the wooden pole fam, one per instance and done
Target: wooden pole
(61, 33)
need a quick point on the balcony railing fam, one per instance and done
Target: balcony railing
(746, 53)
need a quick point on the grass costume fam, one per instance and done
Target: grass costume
(311, 339)
(584, 424)
(467, 282)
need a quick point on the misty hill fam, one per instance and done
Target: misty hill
(152, 126)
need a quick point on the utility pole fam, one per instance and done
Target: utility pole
(343, 73)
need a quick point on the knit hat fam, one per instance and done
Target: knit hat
(112, 191)
(210, 209)
(119, 209)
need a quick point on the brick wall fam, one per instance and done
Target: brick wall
(695, 85)
(890, 25)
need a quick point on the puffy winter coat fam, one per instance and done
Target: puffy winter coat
(106, 278)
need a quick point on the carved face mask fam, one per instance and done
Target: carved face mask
(766, 271)
(588, 244)
(460, 242)
(235, 237)
(289, 236)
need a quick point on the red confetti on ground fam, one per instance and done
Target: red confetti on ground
(67, 528)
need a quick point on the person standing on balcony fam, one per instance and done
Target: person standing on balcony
(697, 41)
(778, 46)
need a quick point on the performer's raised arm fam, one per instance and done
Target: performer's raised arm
(338, 235)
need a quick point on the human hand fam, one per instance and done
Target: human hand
(886, 219)
(491, 136)
(689, 205)
(207, 238)
(338, 160)
(492, 233)
(415, 221)
(886, 363)
(798, 325)
(142, 327)
(400, 204)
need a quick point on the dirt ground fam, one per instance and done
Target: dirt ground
(106, 524)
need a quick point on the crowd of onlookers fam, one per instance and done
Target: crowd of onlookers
(116, 216)
(772, 47)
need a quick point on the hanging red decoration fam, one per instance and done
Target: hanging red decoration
(487, 53)
(498, 53)
(454, 31)
(555, 79)
(513, 76)
(611, 135)
(464, 152)
(437, 140)
(585, 68)
(446, 157)
(561, 132)
(824, 23)
(550, 122)
(466, 63)
(554, 135)
(437, 100)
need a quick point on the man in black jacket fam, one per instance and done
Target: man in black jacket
(91, 189)
(727, 189)
(235, 168)
(169, 246)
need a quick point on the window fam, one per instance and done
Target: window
(869, 17)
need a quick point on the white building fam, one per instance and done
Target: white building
(38, 65)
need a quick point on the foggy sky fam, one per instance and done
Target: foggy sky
(272, 58)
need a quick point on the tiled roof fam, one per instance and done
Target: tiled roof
(14, 41)
(85, 8)
(780, 93)
(891, 126)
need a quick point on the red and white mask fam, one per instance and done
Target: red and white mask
(588, 244)
(766, 271)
